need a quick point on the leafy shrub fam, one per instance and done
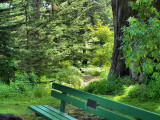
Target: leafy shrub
(115, 84)
(43, 79)
(5, 91)
(141, 48)
(70, 75)
(40, 91)
(141, 40)
(135, 91)
(96, 71)
(8, 67)
(102, 56)
(15, 89)
(153, 91)
(111, 85)
(20, 87)
(104, 72)
(144, 92)
(28, 78)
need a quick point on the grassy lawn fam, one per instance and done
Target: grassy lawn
(19, 106)
(150, 105)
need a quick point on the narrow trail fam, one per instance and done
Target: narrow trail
(82, 114)
(89, 78)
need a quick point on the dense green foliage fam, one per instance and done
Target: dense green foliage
(141, 53)
(70, 75)
(8, 69)
(141, 48)
(141, 43)
(110, 86)
(104, 36)
(48, 38)
(21, 89)
(144, 92)
(60, 40)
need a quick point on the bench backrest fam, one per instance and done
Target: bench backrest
(100, 106)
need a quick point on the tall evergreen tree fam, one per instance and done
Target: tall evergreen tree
(8, 26)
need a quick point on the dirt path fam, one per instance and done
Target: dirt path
(89, 78)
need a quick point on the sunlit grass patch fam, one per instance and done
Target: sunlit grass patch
(149, 105)
(19, 106)
(96, 71)
(92, 71)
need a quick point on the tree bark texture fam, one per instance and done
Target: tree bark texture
(36, 4)
(157, 4)
(121, 12)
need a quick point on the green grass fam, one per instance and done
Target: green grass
(96, 71)
(19, 106)
(149, 105)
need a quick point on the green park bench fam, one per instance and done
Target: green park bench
(103, 107)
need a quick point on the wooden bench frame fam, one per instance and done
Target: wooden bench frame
(103, 107)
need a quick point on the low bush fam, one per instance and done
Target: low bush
(95, 71)
(153, 91)
(15, 89)
(20, 89)
(27, 78)
(5, 91)
(7, 70)
(70, 75)
(40, 91)
(104, 72)
(144, 92)
(135, 91)
(110, 86)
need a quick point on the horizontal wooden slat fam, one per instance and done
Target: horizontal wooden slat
(120, 107)
(81, 104)
(60, 113)
(43, 113)
(50, 113)
(57, 113)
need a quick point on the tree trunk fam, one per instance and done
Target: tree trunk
(121, 12)
(36, 4)
(157, 4)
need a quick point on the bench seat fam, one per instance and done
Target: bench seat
(50, 113)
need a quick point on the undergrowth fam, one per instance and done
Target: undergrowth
(113, 85)
(110, 86)
(19, 88)
(69, 75)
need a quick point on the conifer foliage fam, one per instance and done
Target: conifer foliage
(40, 36)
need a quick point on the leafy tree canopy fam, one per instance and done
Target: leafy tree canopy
(141, 43)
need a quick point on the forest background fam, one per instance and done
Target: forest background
(44, 41)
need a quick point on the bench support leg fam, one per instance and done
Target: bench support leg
(37, 115)
(62, 109)
(63, 103)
